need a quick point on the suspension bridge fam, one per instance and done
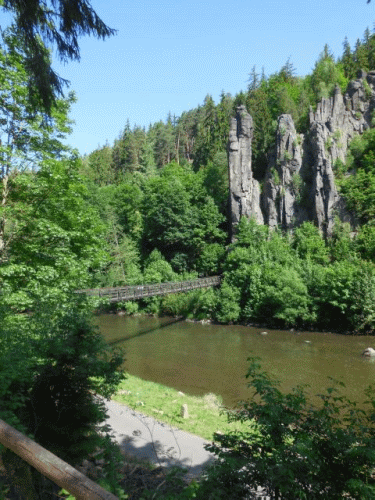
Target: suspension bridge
(136, 292)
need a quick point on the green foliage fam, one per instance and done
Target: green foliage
(294, 449)
(365, 241)
(284, 297)
(275, 176)
(363, 307)
(64, 363)
(287, 156)
(98, 166)
(59, 24)
(211, 259)
(367, 88)
(336, 135)
(54, 237)
(182, 304)
(228, 309)
(326, 75)
(297, 185)
(339, 169)
(180, 217)
(310, 244)
(359, 188)
(216, 180)
(266, 100)
(28, 139)
(334, 293)
(328, 144)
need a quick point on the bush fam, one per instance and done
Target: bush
(228, 309)
(293, 449)
(53, 393)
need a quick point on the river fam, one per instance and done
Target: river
(198, 359)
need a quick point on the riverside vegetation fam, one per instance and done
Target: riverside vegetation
(152, 208)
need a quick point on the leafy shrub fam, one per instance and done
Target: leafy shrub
(275, 176)
(131, 307)
(66, 363)
(287, 156)
(293, 448)
(310, 244)
(209, 262)
(282, 297)
(228, 309)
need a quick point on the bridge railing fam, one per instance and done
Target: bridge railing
(125, 293)
(50, 466)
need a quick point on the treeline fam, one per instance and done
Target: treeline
(162, 194)
(198, 135)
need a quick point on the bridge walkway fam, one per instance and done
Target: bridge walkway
(126, 293)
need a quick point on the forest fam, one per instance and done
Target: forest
(162, 196)
(152, 208)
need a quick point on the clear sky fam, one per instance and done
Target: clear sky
(169, 54)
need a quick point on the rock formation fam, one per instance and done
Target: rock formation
(299, 182)
(283, 181)
(244, 189)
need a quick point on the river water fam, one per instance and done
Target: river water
(198, 359)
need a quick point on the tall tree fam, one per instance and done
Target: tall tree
(54, 22)
(348, 60)
(26, 138)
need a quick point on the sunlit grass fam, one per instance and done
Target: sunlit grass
(206, 414)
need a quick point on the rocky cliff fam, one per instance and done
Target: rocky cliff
(299, 182)
(244, 197)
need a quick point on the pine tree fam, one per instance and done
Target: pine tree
(348, 60)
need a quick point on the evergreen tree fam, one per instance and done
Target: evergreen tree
(98, 166)
(59, 22)
(361, 56)
(164, 146)
(348, 61)
(253, 80)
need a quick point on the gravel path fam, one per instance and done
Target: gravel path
(146, 438)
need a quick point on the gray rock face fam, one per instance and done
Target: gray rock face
(244, 189)
(299, 183)
(332, 126)
(283, 181)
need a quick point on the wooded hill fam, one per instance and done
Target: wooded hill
(153, 206)
(163, 193)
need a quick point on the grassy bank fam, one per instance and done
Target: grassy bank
(205, 414)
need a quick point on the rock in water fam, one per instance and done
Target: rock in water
(369, 352)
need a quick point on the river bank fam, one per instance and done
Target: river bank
(202, 416)
(121, 311)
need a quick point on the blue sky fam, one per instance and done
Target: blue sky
(168, 55)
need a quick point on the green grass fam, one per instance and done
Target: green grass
(206, 414)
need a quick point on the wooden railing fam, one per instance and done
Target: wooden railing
(51, 466)
(126, 293)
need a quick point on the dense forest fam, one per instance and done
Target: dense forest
(153, 207)
(162, 197)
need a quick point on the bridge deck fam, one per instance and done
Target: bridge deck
(126, 293)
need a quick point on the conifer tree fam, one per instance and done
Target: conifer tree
(56, 22)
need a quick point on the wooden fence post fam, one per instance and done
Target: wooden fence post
(51, 466)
